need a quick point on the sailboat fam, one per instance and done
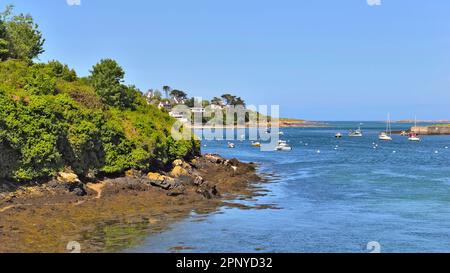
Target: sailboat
(414, 136)
(386, 135)
(356, 133)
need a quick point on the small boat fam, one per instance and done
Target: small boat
(268, 130)
(356, 133)
(256, 144)
(283, 146)
(281, 133)
(338, 135)
(386, 135)
(231, 145)
(414, 137)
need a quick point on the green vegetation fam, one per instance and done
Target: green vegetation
(51, 120)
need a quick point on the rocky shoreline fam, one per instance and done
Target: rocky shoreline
(115, 213)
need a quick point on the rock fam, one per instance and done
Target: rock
(162, 181)
(214, 158)
(130, 183)
(198, 181)
(208, 191)
(155, 177)
(177, 162)
(66, 177)
(234, 162)
(132, 173)
(70, 185)
(161, 184)
(180, 190)
(178, 171)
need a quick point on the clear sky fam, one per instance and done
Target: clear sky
(317, 59)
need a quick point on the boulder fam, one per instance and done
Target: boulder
(208, 191)
(161, 181)
(177, 162)
(198, 181)
(155, 177)
(68, 181)
(178, 171)
(67, 177)
(179, 190)
(214, 158)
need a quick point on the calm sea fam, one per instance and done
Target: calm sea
(337, 200)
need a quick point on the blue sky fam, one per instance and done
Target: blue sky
(317, 59)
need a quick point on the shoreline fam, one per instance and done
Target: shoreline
(118, 213)
(308, 124)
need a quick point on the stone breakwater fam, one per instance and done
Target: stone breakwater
(115, 213)
(431, 130)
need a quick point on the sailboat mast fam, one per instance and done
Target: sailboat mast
(388, 124)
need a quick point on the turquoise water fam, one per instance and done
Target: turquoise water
(332, 201)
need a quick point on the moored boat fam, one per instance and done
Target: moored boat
(283, 146)
(386, 136)
(356, 133)
(414, 137)
(256, 144)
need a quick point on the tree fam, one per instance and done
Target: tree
(233, 100)
(167, 90)
(4, 44)
(107, 78)
(62, 71)
(216, 101)
(22, 37)
(178, 95)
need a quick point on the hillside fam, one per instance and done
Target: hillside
(51, 120)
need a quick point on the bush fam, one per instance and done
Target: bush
(48, 124)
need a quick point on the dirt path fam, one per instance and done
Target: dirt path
(97, 187)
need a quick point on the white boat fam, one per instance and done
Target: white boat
(386, 136)
(256, 144)
(283, 146)
(231, 145)
(414, 136)
(338, 135)
(281, 133)
(356, 133)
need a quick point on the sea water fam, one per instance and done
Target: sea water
(355, 191)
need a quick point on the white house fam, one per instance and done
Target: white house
(178, 116)
(166, 105)
(198, 110)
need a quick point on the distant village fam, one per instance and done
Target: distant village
(169, 98)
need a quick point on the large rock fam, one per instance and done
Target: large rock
(155, 177)
(69, 182)
(214, 158)
(178, 171)
(162, 181)
(67, 177)
(208, 191)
